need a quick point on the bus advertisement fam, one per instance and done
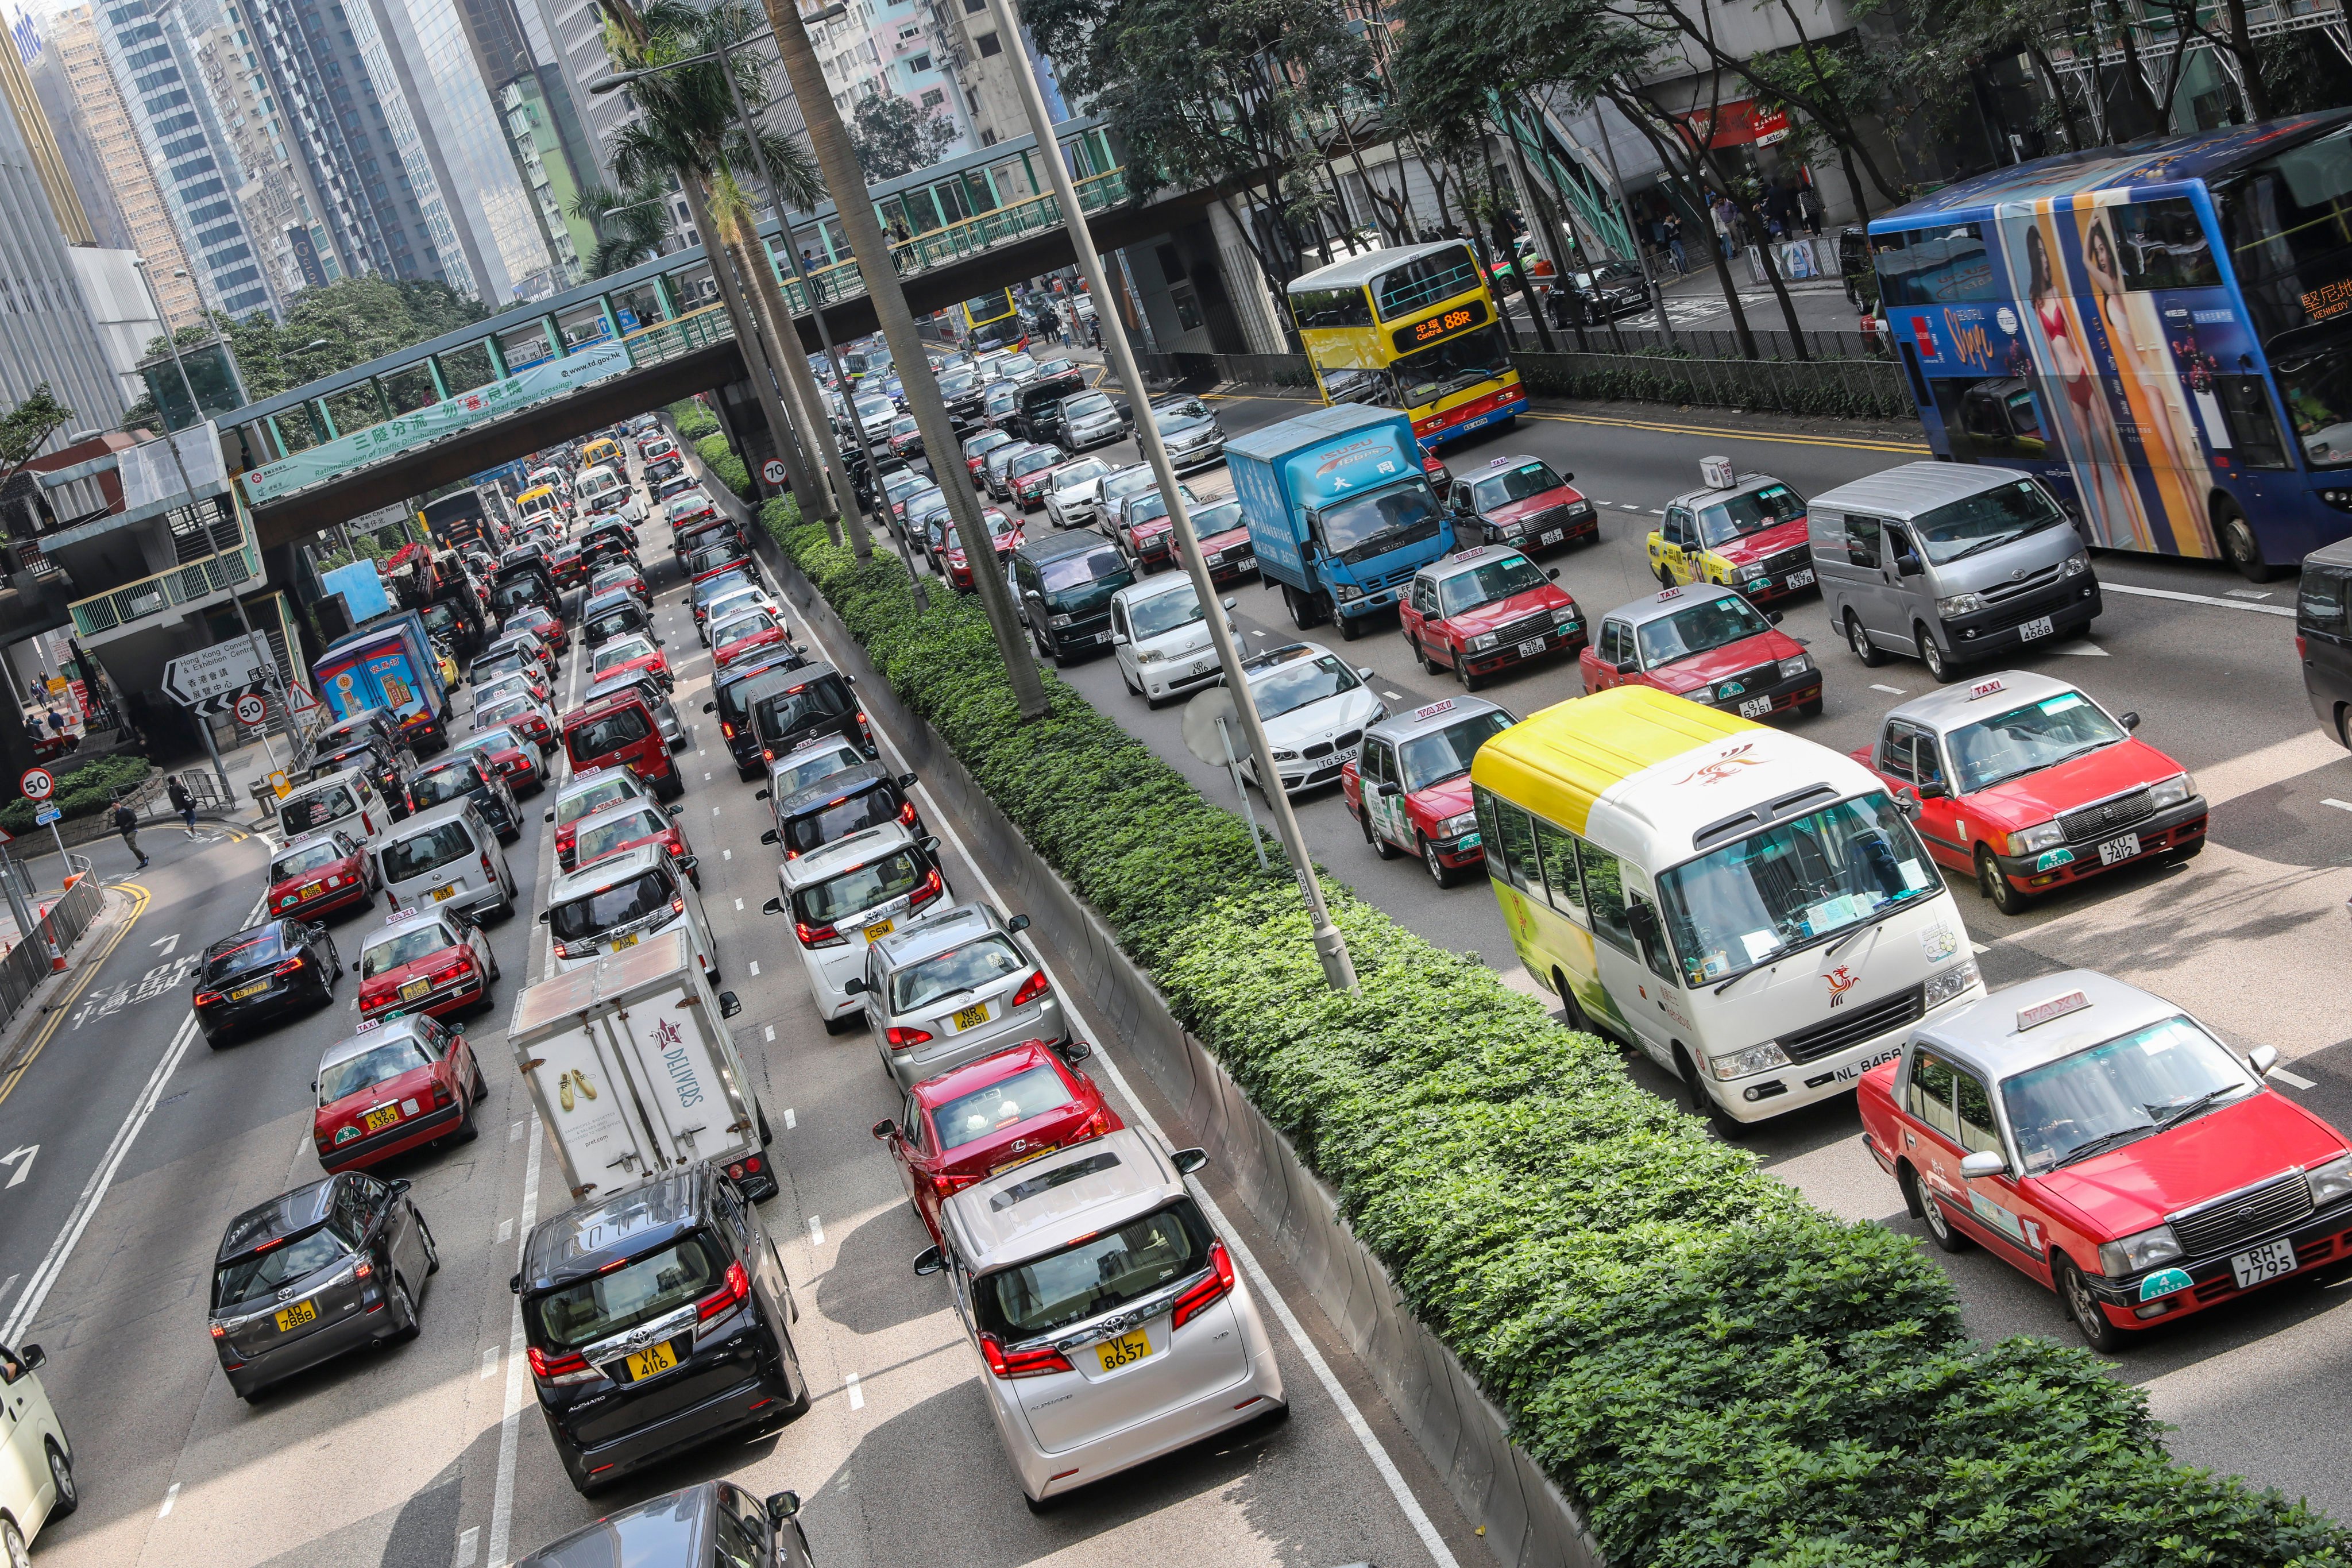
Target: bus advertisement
(1412, 328)
(993, 321)
(2161, 334)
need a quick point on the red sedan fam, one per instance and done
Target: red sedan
(624, 656)
(320, 873)
(1483, 610)
(624, 826)
(396, 1085)
(551, 633)
(617, 579)
(516, 758)
(428, 961)
(1007, 534)
(991, 1115)
(1408, 786)
(745, 633)
(1028, 483)
(1225, 536)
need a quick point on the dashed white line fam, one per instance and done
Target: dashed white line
(506, 1231)
(706, 777)
(2295, 1080)
(469, 1546)
(2286, 610)
(727, 854)
(790, 1122)
(1393, 696)
(817, 1231)
(714, 810)
(2339, 804)
(753, 966)
(514, 1133)
(739, 904)
(171, 1496)
(857, 1395)
(491, 1357)
(1890, 690)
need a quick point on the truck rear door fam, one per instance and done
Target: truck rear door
(589, 1103)
(693, 1104)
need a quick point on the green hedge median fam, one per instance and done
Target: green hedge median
(90, 789)
(1720, 1374)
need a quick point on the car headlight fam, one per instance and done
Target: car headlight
(1948, 984)
(1344, 592)
(1792, 668)
(1455, 826)
(2171, 791)
(2034, 839)
(2078, 564)
(1563, 615)
(1482, 642)
(1581, 508)
(2331, 1180)
(1150, 656)
(1750, 572)
(1960, 605)
(1216, 558)
(1060, 623)
(1285, 756)
(1745, 1064)
(2135, 1253)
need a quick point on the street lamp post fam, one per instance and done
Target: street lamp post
(1330, 942)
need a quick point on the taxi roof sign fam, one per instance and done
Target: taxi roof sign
(2057, 1007)
(1444, 705)
(1472, 554)
(1496, 462)
(1666, 593)
(1987, 688)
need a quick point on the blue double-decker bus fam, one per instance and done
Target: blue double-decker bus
(2162, 332)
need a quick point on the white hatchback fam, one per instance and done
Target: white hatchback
(37, 1482)
(1161, 638)
(845, 896)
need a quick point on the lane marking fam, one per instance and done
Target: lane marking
(2286, 1076)
(1393, 696)
(817, 1231)
(1890, 690)
(517, 1374)
(2082, 650)
(739, 905)
(490, 1360)
(89, 968)
(27, 1154)
(469, 1543)
(727, 854)
(790, 1122)
(2108, 587)
(514, 1133)
(2339, 804)
(170, 1497)
(769, 1030)
(857, 1395)
(506, 1231)
(2250, 593)
(754, 967)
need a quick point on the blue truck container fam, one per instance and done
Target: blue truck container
(1339, 509)
(388, 663)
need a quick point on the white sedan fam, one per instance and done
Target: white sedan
(1161, 638)
(1315, 708)
(1073, 494)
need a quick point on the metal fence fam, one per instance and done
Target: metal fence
(27, 964)
(1631, 336)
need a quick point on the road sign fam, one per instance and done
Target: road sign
(47, 815)
(249, 709)
(38, 784)
(772, 470)
(211, 680)
(301, 700)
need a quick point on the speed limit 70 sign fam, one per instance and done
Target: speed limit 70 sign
(38, 784)
(772, 470)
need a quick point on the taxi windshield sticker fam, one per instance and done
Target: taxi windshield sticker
(2063, 704)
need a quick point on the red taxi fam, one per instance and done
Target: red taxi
(591, 791)
(1708, 644)
(746, 632)
(621, 579)
(629, 656)
(1225, 536)
(629, 824)
(2028, 784)
(519, 714)
(2107, 1144)
(396, 1085)
(564, 560)
(1482, 610)
(320, 873)
(432, 961)
(1522, 501)
(1007, 534)
(1747, 532)
(991, 1115)
(554, 637)
(976, 449)
(1409, 786)
(1144, 531)
(516, 758)
(1029, 489)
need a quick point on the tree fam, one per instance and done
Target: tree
(630, 225)
(25, 427)
(893, 137)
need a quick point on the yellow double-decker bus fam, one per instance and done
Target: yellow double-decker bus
(993, 321)
(1413, 329)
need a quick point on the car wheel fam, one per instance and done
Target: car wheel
(61, 1476)
(1380, 846)
(12, 1540)
(1302, 607)
(1571, 1011)
(481, 1084)
(1037, 641)
(1931, 1213)
(1438, 870)
(1869, 652)
(467, 1130)
(1462, 673)
(404, 1305)
(1429, 664)
(1931, 653)
(1997, 889)
(1704, 1104)
(1350, 628)
(1810, 710)
(1665, 577)
(2074, 1295)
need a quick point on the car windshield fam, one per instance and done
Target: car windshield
(1016, 364)
(968, 1118)
(240, 954)
(1749, 511)
(734, 629)
(252, 1278)
(596, 737)
(904, 425)
(419, 854)
(1795, 883)
(601, 837)
(800, 708)
(921, 501)
(2119, 1091)
(2028, 739)
(1372, 525)
(801, 769)
(1521, 483)
(1986, 520)
(388, 953)
(726, 605)
(1092, 402)
(1695, 628)
(1080, 473)
(1081, 584)
(1487, 582)
(1222, 518)
(1031, 462)
(595, 797)
(613, 623)
(378, 1064)
(1125, 483)
(956, 383)
(495, 666)
(439, 785)
(955, 971)
(1098, 1275)
(309, 813)
(688, 502)
(982, 445)
(604, 1304)
(1163, 612)
(853, 892)
(302, 861)
(606, 908)
(1445, 755)
(1289, 687)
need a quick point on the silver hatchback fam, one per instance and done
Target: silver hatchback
(953, 989)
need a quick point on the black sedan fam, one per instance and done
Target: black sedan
(713, 1522)
(315, 1272)
(257, 975)
(1608, 291)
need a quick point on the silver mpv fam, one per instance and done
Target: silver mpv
(953, 988)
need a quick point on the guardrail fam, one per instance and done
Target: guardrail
(168, 591)
(27, 964)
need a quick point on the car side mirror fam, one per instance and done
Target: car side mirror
(728, 1005)
(855, 986)
(32, 1358)
(1365, 670)
(548, 818)
(1935, 789)
(885, 1130)
(1388, 787)
(905, 781)
(930, 1260)
(1018, 922)
(710, 708)
(514, 1284)
(1983, 1162)
(1118, 639)
(1188, 1160)
(1627, 665)
(1568, 478)
(769, 836)
(1907, 803)
(782, 1506)
(458, 1028)
(687, 863)
(1074, 1051)
(851, 678)
(542, 917)
(760, 793)
(2129, 720)
(772, 907)
(1644, 920)
(2262, 1058)
(929, 844)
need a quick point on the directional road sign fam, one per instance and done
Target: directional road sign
(47, 815)
(38, 784)
(211, 680)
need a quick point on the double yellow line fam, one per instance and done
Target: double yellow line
(139, 898)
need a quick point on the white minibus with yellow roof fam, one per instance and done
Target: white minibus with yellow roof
(1751, 910)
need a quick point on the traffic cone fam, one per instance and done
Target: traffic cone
(56, 959)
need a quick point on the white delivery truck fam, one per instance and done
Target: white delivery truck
(635, 1072)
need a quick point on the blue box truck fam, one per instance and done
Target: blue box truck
(1341, 511)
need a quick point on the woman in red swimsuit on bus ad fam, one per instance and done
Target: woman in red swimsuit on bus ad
(2094, 451)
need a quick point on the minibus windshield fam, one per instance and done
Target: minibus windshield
(1795, 883)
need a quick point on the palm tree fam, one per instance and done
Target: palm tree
(630, 225)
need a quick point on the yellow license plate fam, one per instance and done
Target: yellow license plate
(645, 1364)
(999, 1170)
(1124, 1351)
(295, 1316)
(620, 941)
(443, 891)
(972, 1016)
(381, 1117)
(311, 891)
(242, 992)
(879, 929)
(413, 989)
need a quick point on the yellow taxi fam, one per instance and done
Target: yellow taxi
(603, 449)
(1746, 532)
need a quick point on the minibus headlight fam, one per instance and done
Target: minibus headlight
(2078, 564)
(2171, 792)
(2040, 837)
(1942, 987)
(1959, 604)
(1745, 1064)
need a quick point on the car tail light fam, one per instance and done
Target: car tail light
(206, 998)
(485, 863)
(732, 1292)
(931, 889)
(561, 951)
(946, 1186)
(1196, 1301)
(219, 1333)
(365, 1269)
(1039, 1362)
(1036, 985)
(726, 730)
(291, 966)
(907, 813)
(573, 1368)
(818, 936)
(905, 1039)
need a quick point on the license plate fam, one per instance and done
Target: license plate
(1531, 647)
(294, 1316)
(313, 891)
(2118, 849)
(1468, 841)
(879, 929)
(1124, 1351)
(1000, 1168)
(381, 1117)
(1345, 753)
(2267, 1261)
(1853, 1070)
(2038, 628)
(443, 891)
(1755, 708)
(1801, 579)
(411, 990)
(1552, 536)
(620, 941)
(242, 992)
(972, 1016)
(646, 1362)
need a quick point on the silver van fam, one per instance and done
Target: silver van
(446, 854)
(1949, 563)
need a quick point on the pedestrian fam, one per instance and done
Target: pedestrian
(1094, 332)
(1674, 228)
(57, 722)
(183, 802)
(1720, 210)
(126, 823)
(1809, 201)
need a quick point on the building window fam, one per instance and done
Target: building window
(989, 44)
(934, 98)
(919, 64)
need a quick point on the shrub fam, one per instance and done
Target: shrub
(86, 791)
(691, 420)
(725, 466)
(1720, 1374)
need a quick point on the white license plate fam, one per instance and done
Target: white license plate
(1531, 647)
(2267, 1261)
(2118, 849)
(1755, 708)
(2038, 628)
(1801, 579)
(1853, 1070)
(1552, 536)
(1344, 755)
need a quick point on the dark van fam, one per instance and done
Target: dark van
(469, 775)
(656, 1318)
(2323, 636)
(1064, 582)
(792, 708)
(839, 805)
(384, 763)
(727, 689)
(621, 731)
(713, 1522)
(1037, 408)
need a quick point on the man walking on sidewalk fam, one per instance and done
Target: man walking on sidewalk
(126, 823)
(183, 803)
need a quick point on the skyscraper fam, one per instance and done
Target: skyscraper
(39, 142)
(45, 332)
(277, 197)
(92, 180)
(74, 35)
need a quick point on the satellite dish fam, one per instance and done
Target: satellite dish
(1202, 715)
